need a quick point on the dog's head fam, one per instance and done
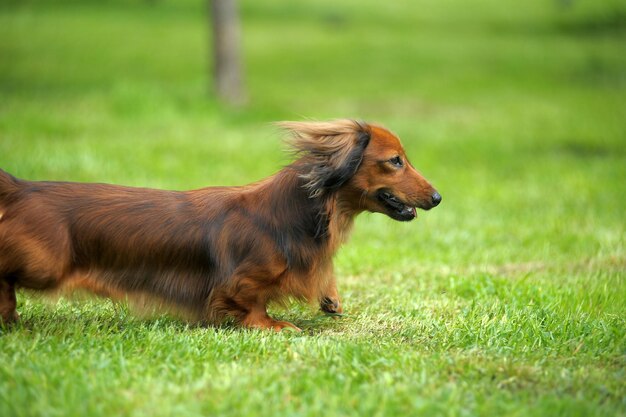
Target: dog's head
(366, 162)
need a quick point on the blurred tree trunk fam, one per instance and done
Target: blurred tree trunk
(226, 51)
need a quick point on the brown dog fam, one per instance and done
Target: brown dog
(216, 252)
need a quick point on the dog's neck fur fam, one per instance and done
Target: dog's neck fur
(324, 221)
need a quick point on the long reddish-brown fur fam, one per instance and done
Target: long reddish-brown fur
(216, 252)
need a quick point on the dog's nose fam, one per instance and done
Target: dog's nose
(436, 198)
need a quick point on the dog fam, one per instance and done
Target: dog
(214, 253)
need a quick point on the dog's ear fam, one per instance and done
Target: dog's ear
(330, 152)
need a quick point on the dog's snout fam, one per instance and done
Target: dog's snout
(436, 199)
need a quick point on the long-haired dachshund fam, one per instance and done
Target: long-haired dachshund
(217, 252)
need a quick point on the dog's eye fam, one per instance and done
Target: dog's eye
(396, 161)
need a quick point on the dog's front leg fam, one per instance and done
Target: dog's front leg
(246, 301)
(329, 301)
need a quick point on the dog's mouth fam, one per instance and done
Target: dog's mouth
(396, 209)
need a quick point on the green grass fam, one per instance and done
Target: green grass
(508, 299)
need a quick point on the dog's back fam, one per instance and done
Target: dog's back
(108, 238)
(33, 243)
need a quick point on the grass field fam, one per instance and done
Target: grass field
(508, 299)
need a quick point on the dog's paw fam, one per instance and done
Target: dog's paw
(9, 319)
(331, 305)
(285, 326)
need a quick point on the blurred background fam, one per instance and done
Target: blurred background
(517, 113)
(508, 295)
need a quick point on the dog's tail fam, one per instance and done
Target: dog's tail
(8, 184)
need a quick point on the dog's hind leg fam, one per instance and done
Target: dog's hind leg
(8, 301)
(329, 300)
